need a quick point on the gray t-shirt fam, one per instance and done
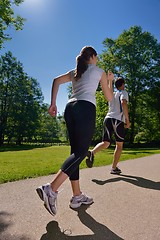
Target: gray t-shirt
(85, 87)
(115, 106)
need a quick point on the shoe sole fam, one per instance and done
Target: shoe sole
(118, 173)
(42, 195)
(46, 207)
(89, 162)
(79, 204)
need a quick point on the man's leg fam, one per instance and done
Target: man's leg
(119, 136)
(100, 146)
(117, 154)
(90, 155)
(106, 139)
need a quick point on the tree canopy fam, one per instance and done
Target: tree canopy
(8, 19)
(135, 55)
(20, 99)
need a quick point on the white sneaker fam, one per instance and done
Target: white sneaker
(49, 197)
(77, 201)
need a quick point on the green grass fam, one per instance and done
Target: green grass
(30, 161)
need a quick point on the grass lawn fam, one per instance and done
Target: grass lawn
(30, 161)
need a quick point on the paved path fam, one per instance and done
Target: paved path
(125, 207)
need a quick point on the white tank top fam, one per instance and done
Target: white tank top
(85, 87)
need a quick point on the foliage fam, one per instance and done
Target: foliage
(49, 127)
(149, 110)
(135, 55)
(23, 115)
(62, 132)
(101, 110)
(20, 101)
(8, 19)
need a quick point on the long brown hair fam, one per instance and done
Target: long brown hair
(82, 60)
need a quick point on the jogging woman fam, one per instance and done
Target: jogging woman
(80, 115)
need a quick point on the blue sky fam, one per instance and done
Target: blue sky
(56, 30)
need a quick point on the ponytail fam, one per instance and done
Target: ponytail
(81, 67)
(82, 61)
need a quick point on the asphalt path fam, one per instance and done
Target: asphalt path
(126, 206)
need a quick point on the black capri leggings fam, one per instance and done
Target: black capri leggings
(80, 120)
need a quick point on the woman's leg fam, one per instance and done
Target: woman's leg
(80, 119)
(80, 138)
(58, 180)
(76, 187)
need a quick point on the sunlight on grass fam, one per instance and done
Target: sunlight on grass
(22, 164)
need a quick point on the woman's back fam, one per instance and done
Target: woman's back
(85, 87)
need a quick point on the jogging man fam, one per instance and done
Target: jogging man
(116, 120)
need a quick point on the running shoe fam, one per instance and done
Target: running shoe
(77, 201)
(90, 159)
(116, 170)
(49, 197)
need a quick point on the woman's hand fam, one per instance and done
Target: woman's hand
(52, 110)
(110, 76)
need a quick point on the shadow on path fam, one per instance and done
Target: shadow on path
(138, 181)
(4, 225)
(100, 231)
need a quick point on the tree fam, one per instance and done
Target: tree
(20, 101)
(8, 19)
(101, 110)
(49, 127)
(151, 99)
(135, 55)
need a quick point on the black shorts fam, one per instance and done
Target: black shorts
(112, 125)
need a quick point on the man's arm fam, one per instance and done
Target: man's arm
(125, 111)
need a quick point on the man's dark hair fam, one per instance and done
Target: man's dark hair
(119, 81)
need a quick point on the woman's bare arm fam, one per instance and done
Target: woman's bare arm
(55, 86)
(105, 81)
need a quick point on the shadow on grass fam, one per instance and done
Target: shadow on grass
(99, 230)
(7, 148)
(133, 151)
(140, 151)
(137, 181)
